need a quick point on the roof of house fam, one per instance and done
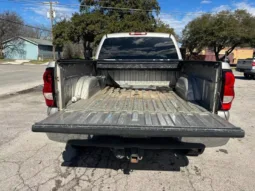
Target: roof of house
(33, 40)
(39, 41)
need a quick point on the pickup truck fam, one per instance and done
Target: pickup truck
(247, 66)
(139, 94)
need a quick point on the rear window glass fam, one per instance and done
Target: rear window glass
(138, 48)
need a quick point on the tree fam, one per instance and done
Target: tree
(118, 20)
(86, 28)
(97, 18)
(40, 32)
(60, 32)
(164, 28)
(225, 29)
(10, 26)
(192, 35)
(124, 15)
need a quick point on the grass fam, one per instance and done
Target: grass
(31, 61)
(39, 61)
(6, 60)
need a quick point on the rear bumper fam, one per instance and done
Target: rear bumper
(82, 140)
(150, 143)
(246, 71)
(224, 114)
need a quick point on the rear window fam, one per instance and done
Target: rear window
(138, 48)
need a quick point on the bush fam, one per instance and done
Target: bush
(71, 50)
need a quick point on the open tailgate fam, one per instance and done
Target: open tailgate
(138, 124)
(137, 113)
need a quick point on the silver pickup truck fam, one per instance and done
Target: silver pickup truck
(139, 94)
(247, 66)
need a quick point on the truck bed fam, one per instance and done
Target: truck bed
(137, 113)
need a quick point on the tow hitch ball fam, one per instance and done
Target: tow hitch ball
(134, 158)
(133, 155)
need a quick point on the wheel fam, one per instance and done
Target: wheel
(246, 75)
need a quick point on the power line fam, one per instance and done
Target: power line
(25, 25)
(31, 2)
(127, 9)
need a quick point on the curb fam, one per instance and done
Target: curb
(28, 90)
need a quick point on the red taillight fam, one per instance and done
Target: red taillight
(229, 92)
(138, 33)
(48, 87)
(253, 63)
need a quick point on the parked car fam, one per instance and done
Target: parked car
(139, 94)
(247, 66)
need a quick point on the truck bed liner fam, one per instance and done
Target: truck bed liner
(124, 112)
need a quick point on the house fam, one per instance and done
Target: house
(25, 48)
(237, 53)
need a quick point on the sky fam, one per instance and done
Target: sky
(176, 13)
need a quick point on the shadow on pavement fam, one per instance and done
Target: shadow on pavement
(241, 78)
(92, 157)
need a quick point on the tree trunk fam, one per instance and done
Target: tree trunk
(228, 52)
(217, 57)
(216, 52)
(84, 48)
(1, 51)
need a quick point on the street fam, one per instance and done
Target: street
(16, 78)
(29, 161)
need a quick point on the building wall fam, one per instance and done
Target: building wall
(242, 54)
(45, 52)
(238, 53)
(20, 49)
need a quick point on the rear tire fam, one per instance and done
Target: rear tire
(248, 76)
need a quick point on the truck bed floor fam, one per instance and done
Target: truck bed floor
(140, 101)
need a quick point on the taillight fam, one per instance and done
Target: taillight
(253, 64)
(229, 92)
(48, 90)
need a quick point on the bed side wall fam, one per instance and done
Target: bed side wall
(68, 73)
(203, 79)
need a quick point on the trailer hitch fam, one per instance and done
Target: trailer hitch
(134, 158)
(134, 155)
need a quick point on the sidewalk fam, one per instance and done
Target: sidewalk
(23, 62)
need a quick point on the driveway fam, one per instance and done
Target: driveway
(29, 161)
(16, 78)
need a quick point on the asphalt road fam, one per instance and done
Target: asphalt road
(29, 161)
(16, 78)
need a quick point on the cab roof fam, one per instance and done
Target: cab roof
(137, 34)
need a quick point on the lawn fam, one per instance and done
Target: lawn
(6, 60)
(39, 61)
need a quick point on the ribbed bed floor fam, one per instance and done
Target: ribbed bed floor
(125, 100)
(138, 107)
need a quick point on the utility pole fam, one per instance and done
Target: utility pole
(51, 15)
